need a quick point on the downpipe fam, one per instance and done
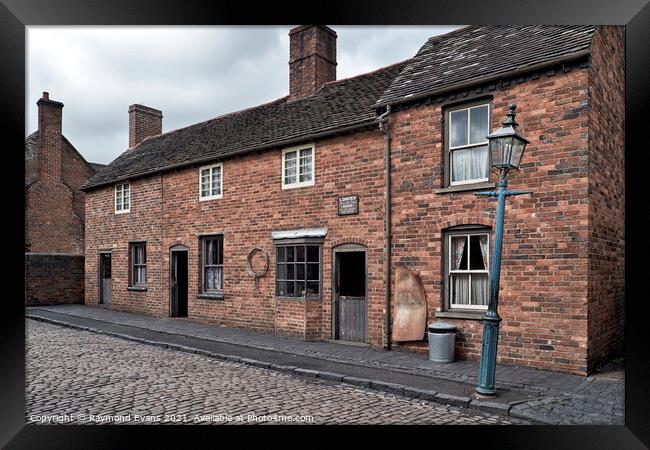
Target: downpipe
(383, 127)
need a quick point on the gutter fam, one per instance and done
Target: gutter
(466, 84)
(308, 137)
(383, 121)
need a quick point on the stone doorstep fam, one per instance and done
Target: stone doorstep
(392, 388)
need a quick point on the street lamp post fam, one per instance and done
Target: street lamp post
(506, 147)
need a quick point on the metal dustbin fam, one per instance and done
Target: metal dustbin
(442, 339)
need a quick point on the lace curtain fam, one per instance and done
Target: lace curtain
(458, 244)
(139, 270)
(213, 278)
(470, 164)
(213, 275)
(463, 283)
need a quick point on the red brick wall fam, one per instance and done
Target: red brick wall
(54, 211)
(546, 267)
(143, 122)
(110, 232)
(253, 205)
(53, 279)
(606, 195)
(312, 59)
(544, 275)
(50, 141)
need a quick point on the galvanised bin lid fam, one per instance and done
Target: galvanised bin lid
(441, 327)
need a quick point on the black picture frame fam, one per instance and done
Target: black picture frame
(15, 15)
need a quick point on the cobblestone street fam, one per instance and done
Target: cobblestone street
(80, 377)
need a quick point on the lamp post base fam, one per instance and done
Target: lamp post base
(489, 354)
(480, 392)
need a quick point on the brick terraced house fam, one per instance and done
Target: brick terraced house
(274, 218)
(54, 211)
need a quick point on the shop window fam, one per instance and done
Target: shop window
(298, 270)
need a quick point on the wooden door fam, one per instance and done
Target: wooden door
(105, 279)
(350, 299)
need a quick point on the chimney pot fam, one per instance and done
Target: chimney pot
(143, 123)
(46, 95)
(312, 59)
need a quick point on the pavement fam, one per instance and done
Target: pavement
(537, 396)
(77, 377)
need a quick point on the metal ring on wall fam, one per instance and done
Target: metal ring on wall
(249, 262)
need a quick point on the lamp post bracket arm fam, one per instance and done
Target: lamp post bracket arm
(508, 193)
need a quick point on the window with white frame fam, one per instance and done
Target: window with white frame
(468, 279)
(468, 155)
(210, 182)
(298, 167)
(122, 198)
(138, 259)
(212, 264)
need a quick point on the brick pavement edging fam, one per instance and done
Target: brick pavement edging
(391, 388)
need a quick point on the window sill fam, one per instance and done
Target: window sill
(212, 197)
(297, 185)
(298, 298)
(470, 315)
(213, 296)
(466, 187)
(137, 288)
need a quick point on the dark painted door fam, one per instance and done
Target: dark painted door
(350, 296)
(105, 280)
(178, 294)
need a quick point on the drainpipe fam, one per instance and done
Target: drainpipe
(383, 126)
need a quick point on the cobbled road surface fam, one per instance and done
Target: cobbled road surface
(80, 377)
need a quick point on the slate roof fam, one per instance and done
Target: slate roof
(476, 52)
(334, 107)
(467, 55)
(97, 166)
(31, 142)
(31, 147)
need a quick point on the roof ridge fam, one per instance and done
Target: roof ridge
(447, 34)
(372, 72)
(278, 100)
(465, 28)
(439, 62)
(65, 139)
(232, 113)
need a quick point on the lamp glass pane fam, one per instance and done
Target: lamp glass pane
(517, 152)
(496, 152)
(501, 151)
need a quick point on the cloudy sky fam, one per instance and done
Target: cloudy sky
(190, 73)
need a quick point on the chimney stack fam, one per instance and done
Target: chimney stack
(312, 59)
(50, 139)
(143, 122)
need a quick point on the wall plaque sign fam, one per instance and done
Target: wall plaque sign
(348, 205)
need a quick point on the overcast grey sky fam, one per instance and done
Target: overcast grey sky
(192, 74)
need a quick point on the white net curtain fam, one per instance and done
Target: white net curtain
(469, 275)
(213, 276)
